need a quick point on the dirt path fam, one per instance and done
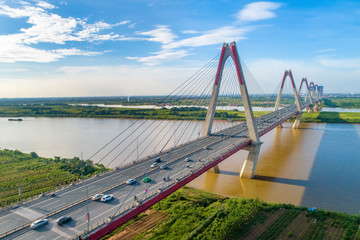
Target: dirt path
(140, 226)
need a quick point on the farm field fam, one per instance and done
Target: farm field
(194, 214)
(36, 175)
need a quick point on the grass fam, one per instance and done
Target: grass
(331, 117)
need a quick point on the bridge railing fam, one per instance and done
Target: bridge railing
(211, 158)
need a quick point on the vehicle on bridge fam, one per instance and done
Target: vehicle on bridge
(97, 197)
(163, 166)
(60, 221)
(146, 179)
(107, 198)
(131, 181)
(154, 165)
(187, 159)
(39, 223)
(157, 160)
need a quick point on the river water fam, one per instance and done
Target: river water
(315, 166)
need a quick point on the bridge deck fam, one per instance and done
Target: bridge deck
(14, 224)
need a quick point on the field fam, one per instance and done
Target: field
(194, 214)
(331, 117)
(38, 175)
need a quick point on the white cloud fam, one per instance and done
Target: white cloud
(161, 34)
(159, 57)
(258, 11)
(190, 32)
(219, 35)
(164, 35)
(48, 27)
(131, 25)
(45, 5)
(325, 50)
(74, 51)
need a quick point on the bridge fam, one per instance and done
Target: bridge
(205, 146)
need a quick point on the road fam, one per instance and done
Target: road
(114, 183)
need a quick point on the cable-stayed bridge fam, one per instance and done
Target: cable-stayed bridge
(223, 88)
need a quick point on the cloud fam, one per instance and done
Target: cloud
(159, 57)
(45, 5)
(161, 34)
(325, 50)
(219, 35)
(257, 11)
(47, 27)
(169, 41)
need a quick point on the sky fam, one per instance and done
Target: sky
(63, 48)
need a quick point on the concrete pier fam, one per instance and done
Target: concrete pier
(248, 169)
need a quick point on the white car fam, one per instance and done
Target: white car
(107, 198)
(163, 166)
(154, 165)
(39, 223)
(187, 159)
(131, 181)
(97, 197)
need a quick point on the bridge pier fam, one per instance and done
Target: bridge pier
(297, 121)
(316, 107)
(248, 169)
(215, 169)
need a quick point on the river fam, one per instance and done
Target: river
(315, 166)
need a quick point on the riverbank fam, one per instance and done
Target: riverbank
(331, 117)
(195, 214)
(176, 113)
(37, 175)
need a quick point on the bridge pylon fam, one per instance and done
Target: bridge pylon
(297, 102)
(314, 94)
(227, 51)
(304, 80)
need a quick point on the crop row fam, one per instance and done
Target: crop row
(276, 228)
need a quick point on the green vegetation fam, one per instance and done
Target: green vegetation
(340, 102)
(331, 117)
(176, 113)
(194, 214)
(38, 175)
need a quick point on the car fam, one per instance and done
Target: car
(146, 179)
(62, 220)
(157, 160)
(163, 166)
(131, 181)
(106, 198)
(39, 223)
(154, 164)
(97, 197)
(187, 159)
(206, 148)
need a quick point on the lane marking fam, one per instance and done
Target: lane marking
(28, 213)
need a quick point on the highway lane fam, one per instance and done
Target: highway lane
(101, 211)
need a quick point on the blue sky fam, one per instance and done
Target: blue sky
(61, 48)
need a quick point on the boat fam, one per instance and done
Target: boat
(15, 119)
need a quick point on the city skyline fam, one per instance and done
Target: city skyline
(82, 48)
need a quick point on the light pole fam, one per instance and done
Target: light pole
(20, 191)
